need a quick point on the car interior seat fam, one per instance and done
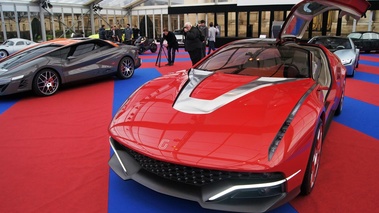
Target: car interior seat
(291, 71)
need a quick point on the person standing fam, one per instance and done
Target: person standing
(119, 33)
(192, 43)
(136, 32)
(172, 45)
(114, 34)
(102, 32)
(204, 30)
(212, 32)
(218, 30)
(128, 32)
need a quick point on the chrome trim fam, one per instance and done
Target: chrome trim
(251, 186)
(185, 103)
(287, 123)
(293, 175)
(118, 157)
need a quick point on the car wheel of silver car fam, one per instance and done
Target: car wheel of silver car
(3, 54)
(125, 68)
(313, 162)
(46, 82)
(353, 73)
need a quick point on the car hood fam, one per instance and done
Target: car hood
(208, 119)
(303, 13)
(345, 55)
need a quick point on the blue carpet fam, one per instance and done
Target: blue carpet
(361, 116)
(163, 59)
(6, 103)
(368, 77)
(370, 63)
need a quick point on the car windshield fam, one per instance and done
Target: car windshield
(333, 43)
(25, 56)
(257, 60)
(355, 35)
(8, 42)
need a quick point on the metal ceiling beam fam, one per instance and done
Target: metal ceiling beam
(93, 2)
(133, 4)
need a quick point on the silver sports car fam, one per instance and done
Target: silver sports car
(42, 68)
(13, 45)
(343, 47)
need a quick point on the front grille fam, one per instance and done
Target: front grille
(198, 176)
(23, 84)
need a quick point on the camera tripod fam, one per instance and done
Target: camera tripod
(159, 57)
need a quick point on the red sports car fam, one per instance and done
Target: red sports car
(242, 130)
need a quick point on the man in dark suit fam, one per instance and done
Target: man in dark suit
(192, 43)
(102, 33)
(172, 45)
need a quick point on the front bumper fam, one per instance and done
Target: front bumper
(350, 68)
(9, 86)
(225, 193)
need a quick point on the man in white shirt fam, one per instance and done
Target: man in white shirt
(212, 32)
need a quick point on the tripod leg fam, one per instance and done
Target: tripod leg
(158, 61)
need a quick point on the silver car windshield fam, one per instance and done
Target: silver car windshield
(333, 43)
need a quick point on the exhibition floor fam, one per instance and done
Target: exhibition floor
(54, 151)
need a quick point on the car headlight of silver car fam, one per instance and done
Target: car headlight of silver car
(346, 61)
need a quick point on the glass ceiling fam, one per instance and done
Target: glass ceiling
(103, 3)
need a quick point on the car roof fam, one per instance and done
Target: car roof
(325, 36)
(365, 32)
(61, 41)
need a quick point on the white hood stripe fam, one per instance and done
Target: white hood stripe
(185, 103)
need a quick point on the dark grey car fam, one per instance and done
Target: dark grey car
(44, 67)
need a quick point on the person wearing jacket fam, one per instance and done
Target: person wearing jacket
(192, 43)
(172, 45)
(204, 30)
(212, 33)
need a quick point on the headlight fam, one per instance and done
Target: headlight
(346, 61)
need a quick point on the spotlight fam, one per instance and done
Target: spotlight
(97, 8)
(46, 4)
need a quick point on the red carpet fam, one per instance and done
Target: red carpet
(348, 178)
(363, 91)
(368, 69)
(54, 151)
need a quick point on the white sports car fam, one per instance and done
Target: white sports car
(13, 45)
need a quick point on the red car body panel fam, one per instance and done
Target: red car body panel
(211, 139)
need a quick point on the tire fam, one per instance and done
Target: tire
(125, 68)
(140, 50)
(46, 82)
(3, 54)
(314, 162)
(153, 48)
(352, 74)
